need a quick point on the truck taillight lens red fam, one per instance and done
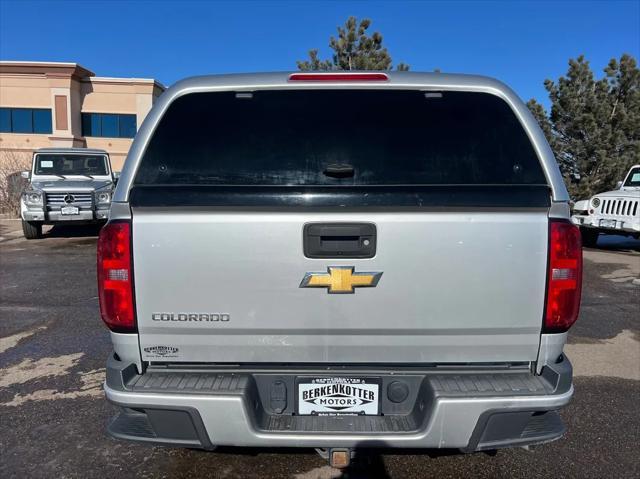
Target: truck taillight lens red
(115, 277)
(564, 277)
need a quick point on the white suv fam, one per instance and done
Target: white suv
(612, 212)
(66, 186)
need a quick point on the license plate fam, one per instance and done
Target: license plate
(337, 396)
(70, 210)
(607, 224)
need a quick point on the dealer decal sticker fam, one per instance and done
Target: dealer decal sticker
(161, 352)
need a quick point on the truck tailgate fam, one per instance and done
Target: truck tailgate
(456, 287)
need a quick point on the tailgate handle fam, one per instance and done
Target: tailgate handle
(339, 171)
(339, 240)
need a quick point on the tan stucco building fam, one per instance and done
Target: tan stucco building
(45, 104)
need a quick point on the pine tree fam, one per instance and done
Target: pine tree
(594, 125)
(354, 49)
(540, 114)
(624, 117)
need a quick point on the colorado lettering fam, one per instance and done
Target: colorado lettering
(191, 317)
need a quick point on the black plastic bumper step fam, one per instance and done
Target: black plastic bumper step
(131, 423)
(353, 424)
(193, 383)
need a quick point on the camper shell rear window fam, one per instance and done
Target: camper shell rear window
(347, 137)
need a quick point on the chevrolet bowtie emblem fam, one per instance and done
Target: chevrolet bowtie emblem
(340, 280)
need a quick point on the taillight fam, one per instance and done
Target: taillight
(115, 280)
(564, 277)
(338, 77)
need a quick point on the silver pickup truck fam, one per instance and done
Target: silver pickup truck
(339, 261)
(66, 186)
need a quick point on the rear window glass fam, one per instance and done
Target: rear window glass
(339, 137)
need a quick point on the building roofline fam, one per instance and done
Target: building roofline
(68, 69)
(142, 81)
(29, 62)
(46, 68)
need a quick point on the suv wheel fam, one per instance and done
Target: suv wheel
(31, 230)
(589, 237)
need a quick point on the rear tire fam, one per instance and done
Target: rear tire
(589, 237)
(31, 230)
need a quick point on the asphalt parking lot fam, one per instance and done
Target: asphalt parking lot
(53, 348)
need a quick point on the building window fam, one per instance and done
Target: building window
(108, 125)
(25, 120)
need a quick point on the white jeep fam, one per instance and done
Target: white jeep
(614, 212)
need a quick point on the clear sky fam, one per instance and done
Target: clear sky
(521, 43)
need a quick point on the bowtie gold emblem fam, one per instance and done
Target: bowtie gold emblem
(340, 280)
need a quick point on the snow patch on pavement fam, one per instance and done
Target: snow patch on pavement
(91, 387)
(11, 341)
(29, 369)
(631, 262)
(617, 357)
(324, 472)
(622, 276)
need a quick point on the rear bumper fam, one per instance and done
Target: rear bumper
(467, 410)
(623, 224)
(84, 216)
